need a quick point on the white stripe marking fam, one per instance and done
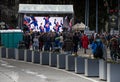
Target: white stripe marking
(76, 75)
(5, 65)
(42, 76)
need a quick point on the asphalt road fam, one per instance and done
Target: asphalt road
(19, 71)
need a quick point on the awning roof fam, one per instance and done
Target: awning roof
(45, 9)
(79, 26)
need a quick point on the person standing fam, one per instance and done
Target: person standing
(85, 42)
(61, 41)
(41, 41)
(75, 43)
(104, 41)
(26, 39)
(114, 46)
(35, 43)
(67, 45)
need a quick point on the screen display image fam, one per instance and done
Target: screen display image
(43, 24)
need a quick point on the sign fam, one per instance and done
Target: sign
(113, 20)
(89, 32)
(35, 8)
(114, 32)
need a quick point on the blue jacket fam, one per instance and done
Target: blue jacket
(94, 45)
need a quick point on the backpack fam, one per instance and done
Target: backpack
(99, 50)
(114, 45)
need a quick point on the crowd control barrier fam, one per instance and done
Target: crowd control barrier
(53, 59)
(36, 57)
(91, 67)
(70, 63)
(21, 54)
(61, 59)
(44, 58)
(113, 72)
(108, 71)
(79, 65)
(102, 69)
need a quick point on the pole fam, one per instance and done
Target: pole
(87, 13)
(96, 16)
(119, 16)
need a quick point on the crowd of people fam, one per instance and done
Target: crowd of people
(70, 42)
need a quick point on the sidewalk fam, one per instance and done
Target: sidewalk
(89, 53)
(5, 78)
(28, 72)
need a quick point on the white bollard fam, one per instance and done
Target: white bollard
(102, 69)
(6, 52)
(25, 55)
(0, 52)
(32, 56)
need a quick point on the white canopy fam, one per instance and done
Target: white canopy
(2, 23)
(45, 8)
(79, 26)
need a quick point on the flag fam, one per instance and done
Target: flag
(105, 3)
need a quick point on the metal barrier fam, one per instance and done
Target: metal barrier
(61, 59)
(36, 57)
(11, 53)
(21, 54)
(53, 59)
(3, 52)
(79, 64)
(113, 72)
(29, 56)
(70, 63)
(90, 67)
(44, 59)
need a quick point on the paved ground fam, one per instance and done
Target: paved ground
(89, 53)
(19, 71)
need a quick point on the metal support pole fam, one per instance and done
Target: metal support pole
(86, 14)
(20, 21)
(96, 16)
(119, 16)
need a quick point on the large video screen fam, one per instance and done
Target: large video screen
(43, 24)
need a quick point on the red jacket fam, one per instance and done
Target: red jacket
(85, 41)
